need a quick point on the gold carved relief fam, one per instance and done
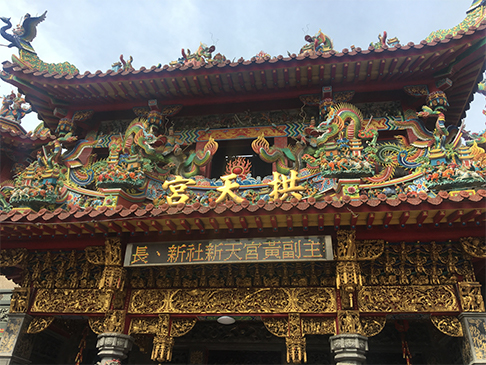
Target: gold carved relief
(241, 300)
(474, 246)
(369, 249)
(425, 298)
(114, 321)
(12, 257)
(471, 297)
(349, 322)
(181, 326)
(143, 326)
(113, 278)
(39, 324)
(346, 245)
(96, 324)
(277, 326)
(113, 255)
(449, 325)
(7, 341)
(20, 300)
(371, 326)
(95, 255)
(71, 301)
(318, 326)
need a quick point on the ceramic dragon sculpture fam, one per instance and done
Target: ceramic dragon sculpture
(342, 118)
(140, 138)
(282, 156)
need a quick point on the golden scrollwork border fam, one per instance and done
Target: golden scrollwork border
(411, 298)
(71, 301)
(241, 300)
(39, 324)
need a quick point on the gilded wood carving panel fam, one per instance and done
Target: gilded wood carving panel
(426, 298)
(239, 300)
(71, 301)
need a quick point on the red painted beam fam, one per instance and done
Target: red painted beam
(115, 227)
(166, 87)
(337, 221)
(353, 220)
(368, 71)
(101, 227)
(387, 219)
(176, 85)
(431, 59)
(230, 82)
(297, 76)
(322, 68)
(422, 217)
(34, 230)
(275, 78)
(471, 215)
(274, 222)
(187, 86)
(244, 224)
(320, 222)
(49, 230)
(145, 89)
(130, 227)
(186, 225)
(241, 81)
(309, 75)
(134, 88)
(198, 85)
(357, 68)
(229, 224)
(171, 226)
(88, 228)
(333, 72)
(74, 229)
(220, 84)
(438, 217)
(290, 223)
(157, 226)
(370, 220)
(345, 72)
(263, 78)
(404, 218)
(259, 224)
(208, 84)
(143, 227)
(305, 222)
(252, 80)
(442, 58)
(61, 229)
(454, 216)
(200, 224)
(214, 224)
(381, 69)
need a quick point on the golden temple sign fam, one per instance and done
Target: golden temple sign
(230, 251)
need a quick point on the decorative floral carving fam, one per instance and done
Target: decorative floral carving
(242, 300)
(449, 325)
(371, 326)
(143, 326)
(71, 301)
(181, 326)
(96, 324)
(277, 326)
(39, 324)
(426, 298)
(474, 246)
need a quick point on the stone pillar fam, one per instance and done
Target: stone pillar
(113, 346)
(474, 329)
(16, 344)
(349, 349)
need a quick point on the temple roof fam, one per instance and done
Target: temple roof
(459, 58)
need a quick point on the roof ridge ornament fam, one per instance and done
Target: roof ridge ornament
(21, 38)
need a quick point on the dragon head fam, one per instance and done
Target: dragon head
(5, 20)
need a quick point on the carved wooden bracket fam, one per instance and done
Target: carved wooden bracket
(39, 324)
(449, 325)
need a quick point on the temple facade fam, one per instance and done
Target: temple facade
(324, 207)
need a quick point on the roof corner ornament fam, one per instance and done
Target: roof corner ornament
(318, 43)
(14, 107)
(21, 37)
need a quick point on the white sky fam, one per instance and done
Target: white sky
(92, 34)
